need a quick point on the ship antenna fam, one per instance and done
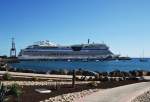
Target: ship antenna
(13, 49)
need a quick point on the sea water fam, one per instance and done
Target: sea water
(123, 65)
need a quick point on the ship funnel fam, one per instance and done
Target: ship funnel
(88, 41)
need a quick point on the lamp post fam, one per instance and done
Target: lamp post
(73, 78)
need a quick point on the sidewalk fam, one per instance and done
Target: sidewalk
(119, 94)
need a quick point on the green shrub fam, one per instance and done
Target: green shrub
(97, 77)
(63, 71)
(54, 72)
(7, 76)
(90, 79)
(35, 78)
(93, 84)
(15, 90)
(104, 79)
(78, 79)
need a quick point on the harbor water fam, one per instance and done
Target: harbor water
(123, 65)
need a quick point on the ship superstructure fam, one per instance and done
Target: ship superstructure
(48, 50)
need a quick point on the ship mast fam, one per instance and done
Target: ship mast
(13, 49)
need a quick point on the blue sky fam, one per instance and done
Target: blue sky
(124, 25)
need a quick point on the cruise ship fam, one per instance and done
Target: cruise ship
(45, 50)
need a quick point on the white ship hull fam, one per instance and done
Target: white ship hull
(82, 51)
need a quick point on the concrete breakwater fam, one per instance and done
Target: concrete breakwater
(40, 83)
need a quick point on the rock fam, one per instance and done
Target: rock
(143, 98)
(71, 97)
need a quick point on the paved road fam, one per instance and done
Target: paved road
(119, 94)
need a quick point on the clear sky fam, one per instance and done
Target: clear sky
(124, 25)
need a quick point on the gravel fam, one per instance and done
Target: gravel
(71, 97)
(143, 98)
(38, 83)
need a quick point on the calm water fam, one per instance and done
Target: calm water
(91, 65)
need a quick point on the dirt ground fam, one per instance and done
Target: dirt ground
(30, 95)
